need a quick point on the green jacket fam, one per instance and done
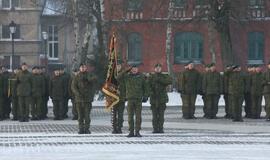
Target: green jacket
(57, 88)
(158, 83)
(266, 82)
(38, 85)
(121, 84)
(256, 87)
(66, 77)
(83, 87)
(6, 76)
(12, 86)
(24, 83)
(191, 81)
(212, 83)
(237, 83)
(136, 86)
(47, 83)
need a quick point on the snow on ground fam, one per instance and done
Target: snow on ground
(174, 100)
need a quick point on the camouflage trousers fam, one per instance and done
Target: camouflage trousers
(228, 111)
(158, 110)
(1, 108)
(256, 106)
(44, 109)
(118, 115)
(188, 108)
(134, 108)
(84, 110)
(267, 105)
(74, 109)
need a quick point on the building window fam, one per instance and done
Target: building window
(16, 61)
(53, 47)
(255, 46)
(256, 3)
(134, 54)
(8, 4)
(179, 3)
(188, 46)
(134, 5)
(5, 32)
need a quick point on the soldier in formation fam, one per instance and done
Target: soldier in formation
(83, 87)
(158, 97)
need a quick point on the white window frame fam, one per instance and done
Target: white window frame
(10, 5)
(52, 42)
(10, 35)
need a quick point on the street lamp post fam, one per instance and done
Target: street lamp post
(12, 29)
(45, 38)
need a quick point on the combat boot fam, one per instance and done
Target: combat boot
(131, 134)
(119, 131)
(87, 131)
(137, 134)
(81, 131)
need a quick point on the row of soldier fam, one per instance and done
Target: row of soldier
(33, 89)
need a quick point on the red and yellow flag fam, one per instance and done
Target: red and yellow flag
(110, 88)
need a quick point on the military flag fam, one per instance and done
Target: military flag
(110, 88)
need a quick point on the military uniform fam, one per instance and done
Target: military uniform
(72, 97)
(24, 88)
(118, 109)
(256, 95)
(14, 97)
(266, 93)
(236, 92)
(226, 78)
(212, 88)
(38, 93)
(45, 98)
(247, 95)
(191, 84)
(66, 78)
(7, 100)
(83, 87)
(58, 91)
(2, 93)
(136, 90)
(158, 99)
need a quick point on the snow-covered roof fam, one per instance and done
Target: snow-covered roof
(54, 7)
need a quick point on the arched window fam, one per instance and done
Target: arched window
(134, 5)
(134, 53)
(188, 46)
(179, 3)
(255, 46)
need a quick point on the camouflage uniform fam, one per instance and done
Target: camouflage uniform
(24, 88)
(191, 84)
(236, 92)
(256, 95)
(118, 109)
(83, 87)
(136, 90)
(158, 99)
(7, 99)
(212, 88)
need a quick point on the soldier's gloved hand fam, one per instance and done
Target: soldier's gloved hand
(144, 99)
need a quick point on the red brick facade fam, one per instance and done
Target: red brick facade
(151, 23)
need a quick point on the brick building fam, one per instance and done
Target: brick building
(141, 28)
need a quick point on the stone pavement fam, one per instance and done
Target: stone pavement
(183, 139)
